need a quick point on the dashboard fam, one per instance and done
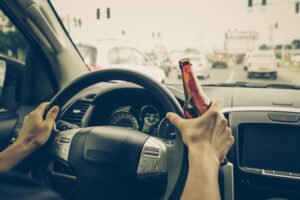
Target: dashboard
(265, 123)
(131, 108)
(145, 118)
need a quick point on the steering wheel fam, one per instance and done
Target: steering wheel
(109, 162)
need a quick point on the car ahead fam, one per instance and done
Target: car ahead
(163, 63)
(103, 54)
(262, 63)
(220, 60)
(153, 57)
(295, 58)
(200, 66)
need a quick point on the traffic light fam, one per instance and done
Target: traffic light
(98, 13)
(108, 13)
(297, 7)
(264, 5)
(250, 3)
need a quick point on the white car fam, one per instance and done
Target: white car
(262, 63)
(295, 58)
(103, 54)
(199, 64)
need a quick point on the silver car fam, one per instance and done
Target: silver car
(200, 65)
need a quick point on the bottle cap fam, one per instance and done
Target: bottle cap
(183, 62)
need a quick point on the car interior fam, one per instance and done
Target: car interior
(112, 140)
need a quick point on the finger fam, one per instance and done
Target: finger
(51, 116)
(224, 118)
(41, 109)
(215, 105)
(214, 109)
(231, 140)
(220, 125)
(229, 137)
(175, 119)
(229, 131)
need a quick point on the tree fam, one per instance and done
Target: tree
(264, 47)
(296, 43)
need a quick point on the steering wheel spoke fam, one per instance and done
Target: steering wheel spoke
(153, 159)
(60, 150)
(62, 144)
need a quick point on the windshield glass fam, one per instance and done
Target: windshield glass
(227, 41)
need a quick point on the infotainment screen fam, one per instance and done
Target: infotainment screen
(270, 146)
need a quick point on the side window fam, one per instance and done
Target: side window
(13, 53)
(139, 58)
(113, 57)
(12, 43)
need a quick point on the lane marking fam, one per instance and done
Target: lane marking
(230, 78)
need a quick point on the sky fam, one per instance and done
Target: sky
(181, 23)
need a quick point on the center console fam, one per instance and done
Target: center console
(270, 149)
(266, 155)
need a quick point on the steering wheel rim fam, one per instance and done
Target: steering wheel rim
(178, 152)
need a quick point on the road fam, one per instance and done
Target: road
(234, 73)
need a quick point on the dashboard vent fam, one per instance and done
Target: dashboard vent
(76, 112)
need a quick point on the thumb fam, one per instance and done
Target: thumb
(175, 119)
(51, 115)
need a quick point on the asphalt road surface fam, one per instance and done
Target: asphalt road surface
(234, 73)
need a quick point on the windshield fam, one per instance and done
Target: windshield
(88, 53)
(227, 41)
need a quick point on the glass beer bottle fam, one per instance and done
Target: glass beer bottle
(196, 102)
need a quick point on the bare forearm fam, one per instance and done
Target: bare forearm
(202, 180)
(11, 156)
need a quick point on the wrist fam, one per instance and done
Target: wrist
(19, 150)
(203, 171)
(25, 146)
(203, 153)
